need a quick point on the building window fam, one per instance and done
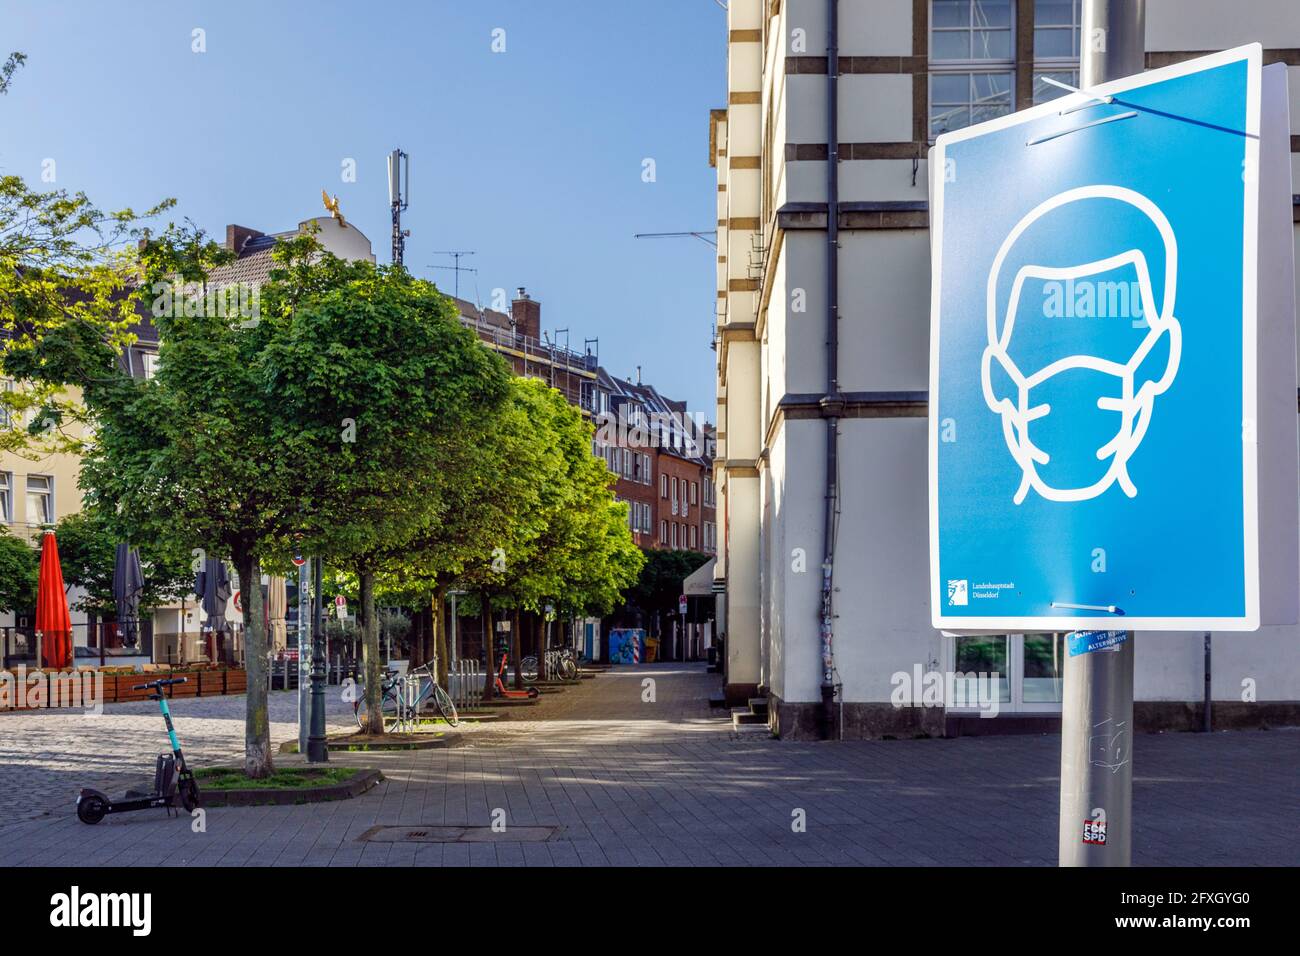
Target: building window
(149, 363)
(6, 497)
(695, 492)
(692, 537)
(663, 532)
(6, 419)
(1056, 29)
(40, 499)
(1057, 24)
(972, 62)
(674, 534)
(663, 486)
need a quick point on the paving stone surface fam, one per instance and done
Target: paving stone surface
(636, 774)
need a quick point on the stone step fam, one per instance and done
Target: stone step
(743, 715)
(758, 705)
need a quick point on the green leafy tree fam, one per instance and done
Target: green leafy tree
(19, 567)
(66, 268)
(659, 585)
(584, 554)
(373, 378)
(186, 457)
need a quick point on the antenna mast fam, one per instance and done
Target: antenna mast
(456, 267)
(399, 198)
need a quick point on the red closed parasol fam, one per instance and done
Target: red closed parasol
(52, 618)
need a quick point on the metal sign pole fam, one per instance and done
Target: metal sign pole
(1097, 704)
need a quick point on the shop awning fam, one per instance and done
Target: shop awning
(699, 583)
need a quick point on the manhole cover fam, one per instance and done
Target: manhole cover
(431, 834)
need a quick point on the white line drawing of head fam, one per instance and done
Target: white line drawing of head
(1135, 402)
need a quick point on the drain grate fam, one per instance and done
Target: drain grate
(432, 834)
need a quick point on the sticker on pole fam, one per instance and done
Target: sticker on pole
(1094, 830)
(1093, 450)
(1085, 642)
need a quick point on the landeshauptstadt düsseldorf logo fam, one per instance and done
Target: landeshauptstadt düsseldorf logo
(1047, 464)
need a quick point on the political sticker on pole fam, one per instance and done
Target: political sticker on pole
(1099, 403)
(1085, 642)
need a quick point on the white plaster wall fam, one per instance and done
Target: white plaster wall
(867, 27)
(881, 180)
(742, 581)
(1208, 24)
(884, 309)
(802, 267)
(889, 116)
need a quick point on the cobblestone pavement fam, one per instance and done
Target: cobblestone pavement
(46, 757)
(626, 780)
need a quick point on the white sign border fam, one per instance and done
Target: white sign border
(1252, 55)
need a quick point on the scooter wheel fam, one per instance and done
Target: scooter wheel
(91, 809)
(189, 795)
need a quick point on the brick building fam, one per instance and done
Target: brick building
(661, 453)
(663, 458)
(518, 338)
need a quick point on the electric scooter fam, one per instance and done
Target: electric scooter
(172, 777)
(508, 692)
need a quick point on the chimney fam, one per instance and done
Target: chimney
(237, 236)
(526, 315)
(638, 374)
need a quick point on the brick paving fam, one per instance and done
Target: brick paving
(628, 781)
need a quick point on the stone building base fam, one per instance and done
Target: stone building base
(799, 720)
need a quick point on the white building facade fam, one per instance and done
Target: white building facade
(908, 70)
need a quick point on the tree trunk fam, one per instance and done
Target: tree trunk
(541, 648)
(489, 654)
(514, 652)
(418, 655)
(257, 725)
(438, 616)
(426, 617)
(371, 664)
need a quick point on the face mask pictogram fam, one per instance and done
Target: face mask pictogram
(1124, 390)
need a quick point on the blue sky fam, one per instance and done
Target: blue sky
(532, 157)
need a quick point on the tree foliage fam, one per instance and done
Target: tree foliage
(88, 542)
(19, 569)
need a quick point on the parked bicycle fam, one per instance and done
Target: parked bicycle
(561, 663)
(400, 705)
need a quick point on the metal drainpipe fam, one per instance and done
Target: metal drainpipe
(832, 403)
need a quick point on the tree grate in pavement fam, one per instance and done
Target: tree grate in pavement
(443, 834)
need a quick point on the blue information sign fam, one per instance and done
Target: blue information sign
(1093, 357)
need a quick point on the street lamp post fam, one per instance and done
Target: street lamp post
(317, 752)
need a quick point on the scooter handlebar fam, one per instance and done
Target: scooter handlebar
(161, 683)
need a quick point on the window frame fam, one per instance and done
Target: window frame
(1057, 64)
(49, 494)
(969, 67)
(7, 497)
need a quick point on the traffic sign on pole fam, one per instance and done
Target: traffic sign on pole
(1097, 403)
